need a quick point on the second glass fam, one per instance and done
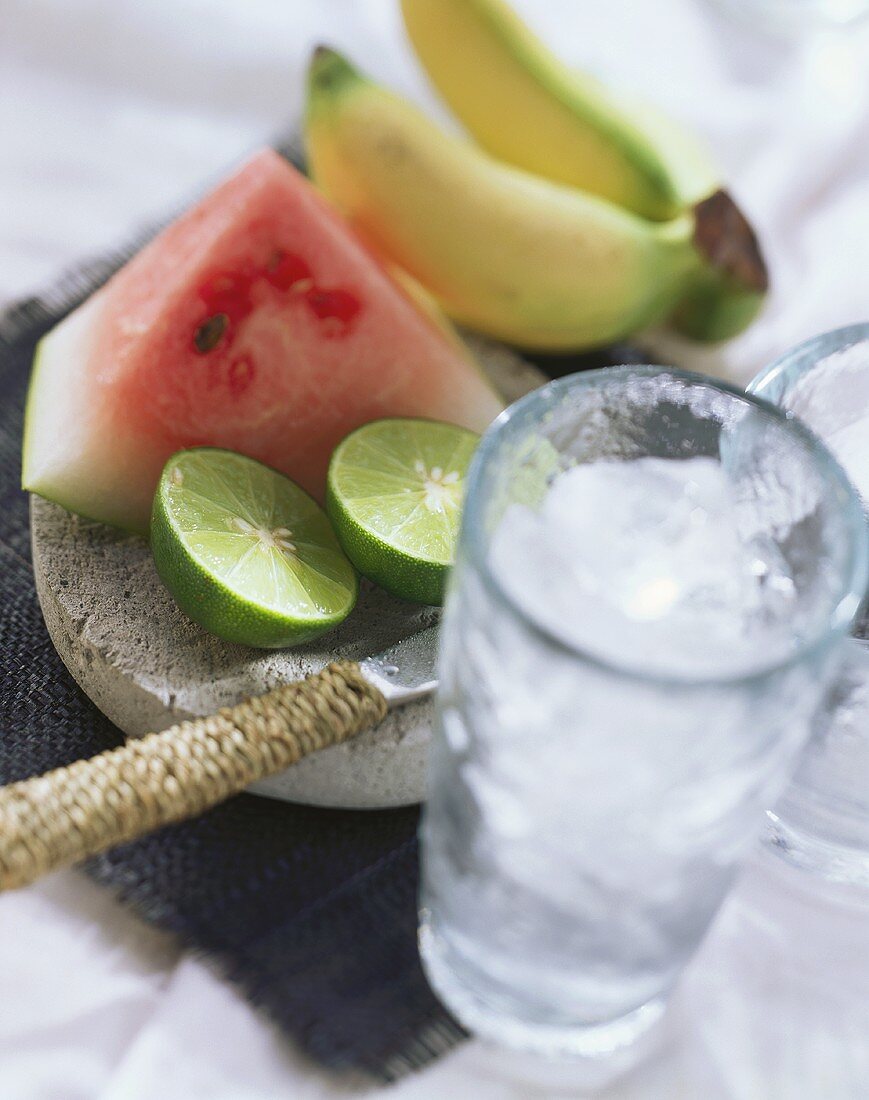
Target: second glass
(821, 823)
(653, 575)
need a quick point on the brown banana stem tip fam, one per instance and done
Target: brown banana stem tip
(723, 235)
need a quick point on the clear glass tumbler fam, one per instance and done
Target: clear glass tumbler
(654, 573)
(821, 822)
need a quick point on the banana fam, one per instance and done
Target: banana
(524, 106)
(504, 252)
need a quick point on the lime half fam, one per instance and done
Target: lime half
(247, 553)
(394, 494)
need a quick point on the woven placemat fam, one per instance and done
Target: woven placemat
(312, 912)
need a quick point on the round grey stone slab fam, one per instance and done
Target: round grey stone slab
(147, 666)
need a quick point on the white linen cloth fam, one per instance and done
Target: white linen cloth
(111, 114)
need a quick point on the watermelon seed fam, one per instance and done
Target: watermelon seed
(339, 304)
(210, 332)
(287, 271)
(229, 292)
(336, 310)
(241, 372)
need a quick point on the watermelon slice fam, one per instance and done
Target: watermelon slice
(257, 322)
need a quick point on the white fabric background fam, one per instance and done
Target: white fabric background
(113, 112)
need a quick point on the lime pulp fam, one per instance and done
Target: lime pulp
(247, 553)
(394, 495)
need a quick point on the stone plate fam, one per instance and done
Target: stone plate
(147, 666)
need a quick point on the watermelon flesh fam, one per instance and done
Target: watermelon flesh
(257, 322)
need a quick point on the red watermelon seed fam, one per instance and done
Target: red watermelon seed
(241, 372)
(286, 271)
(337, 309)
(229, 293)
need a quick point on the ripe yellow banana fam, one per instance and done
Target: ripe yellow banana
(526, 107)
(517, 257)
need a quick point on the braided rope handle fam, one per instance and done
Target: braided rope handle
(74, 812)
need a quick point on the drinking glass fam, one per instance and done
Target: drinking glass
(589, 800)
(821, 822)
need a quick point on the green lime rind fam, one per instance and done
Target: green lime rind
(394, 495)
(246, 553)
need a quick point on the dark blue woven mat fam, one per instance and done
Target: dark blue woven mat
(312, 912)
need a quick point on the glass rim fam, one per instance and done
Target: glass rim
(843, 605)
(792, 361)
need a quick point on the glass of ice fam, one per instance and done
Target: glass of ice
(821, 822)
(654, 575)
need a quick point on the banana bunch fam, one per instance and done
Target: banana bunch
(575, 220)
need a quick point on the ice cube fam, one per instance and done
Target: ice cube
(644, 561)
